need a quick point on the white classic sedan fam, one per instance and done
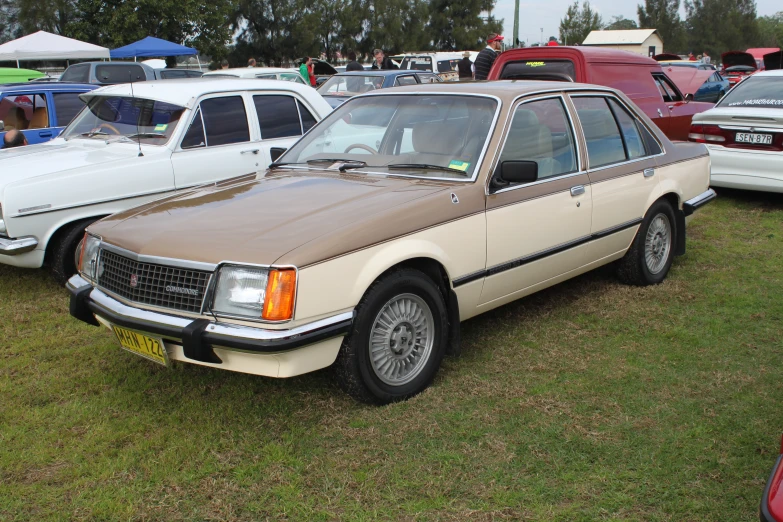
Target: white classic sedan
(744, 134)
(135, 143)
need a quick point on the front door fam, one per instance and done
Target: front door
(537, 230)
(27, 112)
(219, 143)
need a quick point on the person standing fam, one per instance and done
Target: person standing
(306, 70)
(251, 62)
(465, 66)
(706, 58)
(487, 56)
(382, 62)
(691, 58)
(353, 65)
(224, 64)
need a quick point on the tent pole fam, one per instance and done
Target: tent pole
(198, 59)
(17, 64)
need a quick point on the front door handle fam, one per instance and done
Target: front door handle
(671, 107)
(660, 113)
(45, 134)
(648, 173)
(577, 190)
(250, 151)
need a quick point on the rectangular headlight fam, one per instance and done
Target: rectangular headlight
(2, 222)
(88, 259)
(255, 293)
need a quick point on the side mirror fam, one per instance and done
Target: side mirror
(2, 126)
(688, 98)
(276, 152)
(518, 171)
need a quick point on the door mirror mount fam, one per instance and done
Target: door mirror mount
(688, 98)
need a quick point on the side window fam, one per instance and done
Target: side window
(77, 73)
(405, 80)
(194, 138)
(67, 105)
(604, 143)
(24, 111)
(668, 91)
(266, 76)
(308, 120)
(225, 120)
(634, 146)
(278, 116)
(540, 132)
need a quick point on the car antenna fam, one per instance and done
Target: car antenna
(133, 97)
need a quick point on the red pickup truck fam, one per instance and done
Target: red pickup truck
(639, 77)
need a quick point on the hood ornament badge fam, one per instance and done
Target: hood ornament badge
(134, 281)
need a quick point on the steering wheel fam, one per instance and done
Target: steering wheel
(110, 127)
(360, 146)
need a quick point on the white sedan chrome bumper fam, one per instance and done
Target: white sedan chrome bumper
(746, 169)
(12, 247)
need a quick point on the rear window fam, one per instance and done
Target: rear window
(755, 92)
(417, 63)
(76, 73)
(119, 73)
(533, 69)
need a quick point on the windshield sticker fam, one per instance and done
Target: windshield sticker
(535, 64)
(459, 165)
(757, 101)
(161, 127)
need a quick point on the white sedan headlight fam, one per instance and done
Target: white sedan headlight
(2, 222)
(255, 293)
(88, 260)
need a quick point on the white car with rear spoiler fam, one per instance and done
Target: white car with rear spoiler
(744, 134)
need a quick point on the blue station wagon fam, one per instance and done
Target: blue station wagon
(40, 110)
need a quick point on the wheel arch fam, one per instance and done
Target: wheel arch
(675, 200)
(65, 224)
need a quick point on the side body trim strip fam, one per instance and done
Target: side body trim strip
(515, 263)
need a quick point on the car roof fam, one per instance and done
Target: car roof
(376, 72)
(46, 86)
(590, 53)
(506, 90)
(776, 72)
(181, 91)
(251, 70)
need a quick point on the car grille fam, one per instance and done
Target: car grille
(157, 285)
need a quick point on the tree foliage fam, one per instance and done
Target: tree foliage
(458, 25)
(578, 23)
(52, 16)
(7, 20)
(621, 23)
(717, 26)
(664, 15)
(771, 30)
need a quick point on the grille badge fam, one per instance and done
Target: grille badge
(134, 280)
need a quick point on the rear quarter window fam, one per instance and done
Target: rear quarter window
(633, 80)
(111, 74)
(76, 73)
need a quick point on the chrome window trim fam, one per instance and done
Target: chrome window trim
(514, 106)
(484, 150)
(636, 117)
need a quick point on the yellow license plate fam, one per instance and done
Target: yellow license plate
(147, 347)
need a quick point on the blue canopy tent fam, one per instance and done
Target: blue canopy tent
(151, 46)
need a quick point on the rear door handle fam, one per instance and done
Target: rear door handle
(45, 134)
(648, 173)
(250, 151)
(577, 190)
(671, 107)
(660, 113)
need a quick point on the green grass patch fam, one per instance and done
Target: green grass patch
(588, 401)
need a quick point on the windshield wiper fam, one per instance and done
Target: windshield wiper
(146, 135)
(346, 163)
(90, 134)
(424, 166)
(283, 164)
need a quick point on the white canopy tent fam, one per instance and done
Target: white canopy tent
(48, 46)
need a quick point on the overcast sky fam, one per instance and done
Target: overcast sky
(547, 15)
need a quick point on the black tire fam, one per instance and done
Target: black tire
(62, 247)
(353, 368)
(633, 268)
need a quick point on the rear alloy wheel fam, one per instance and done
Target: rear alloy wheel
(397, 341)
(648, 260)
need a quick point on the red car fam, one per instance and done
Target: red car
(736, 65)
(639, 77)
(759, 53)
(772, 501)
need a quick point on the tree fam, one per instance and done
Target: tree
(718, 26)
(619, 23)
(578, 23)
(771, 30)
(664, 16)
(7, 20)
(456, 25)
(114, 23)
(52, 16)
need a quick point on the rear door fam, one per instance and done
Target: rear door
(282, 119)
(28, 112)
(221, 142)
(66, 105)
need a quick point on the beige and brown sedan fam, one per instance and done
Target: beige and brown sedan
(395, 218)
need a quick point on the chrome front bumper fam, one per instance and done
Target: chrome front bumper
(12, 247)
(197, 336)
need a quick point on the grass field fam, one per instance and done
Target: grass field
(588, 401)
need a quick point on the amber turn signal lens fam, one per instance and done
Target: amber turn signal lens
(280, 293)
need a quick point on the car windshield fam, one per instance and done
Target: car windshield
(417, 63)
(413, 135)
(756, 91)
(350, 85)
(148, 121)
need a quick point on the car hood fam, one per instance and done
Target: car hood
(732, 58)
(259, 221)
(773, 61)
(58, 156)
(688, 79)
